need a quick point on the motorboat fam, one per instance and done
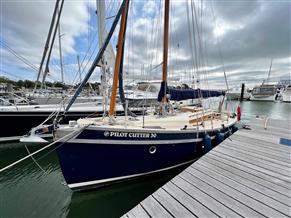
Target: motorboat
(266, 92)
(286, 95)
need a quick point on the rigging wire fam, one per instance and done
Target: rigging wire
(10, 74)
(192, 71)
(220, 53)
(17, 55)
(85, 62)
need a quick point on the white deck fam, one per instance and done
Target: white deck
(177, 121)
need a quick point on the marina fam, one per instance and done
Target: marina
(145, 109)
(48, 185)
(246, 175)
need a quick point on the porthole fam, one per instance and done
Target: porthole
(152, 149)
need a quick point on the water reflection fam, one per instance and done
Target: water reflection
(28, 191)
(117, 199)
(275, 110)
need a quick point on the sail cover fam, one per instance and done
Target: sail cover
(179, 95)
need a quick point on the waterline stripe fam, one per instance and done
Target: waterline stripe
(95, 182)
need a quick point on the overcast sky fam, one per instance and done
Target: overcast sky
(238, 37)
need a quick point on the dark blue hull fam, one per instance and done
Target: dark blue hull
(96, 157)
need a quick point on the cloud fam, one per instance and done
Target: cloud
(252, 33)
(25, 25)
(238, 37)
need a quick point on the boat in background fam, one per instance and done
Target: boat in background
(144, 94)
(14, 98)
(286, 94)
(266, 92)
(26, 116)
(49, 97)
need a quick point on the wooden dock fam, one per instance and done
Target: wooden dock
(247, 175)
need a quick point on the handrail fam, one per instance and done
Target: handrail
(266, 122)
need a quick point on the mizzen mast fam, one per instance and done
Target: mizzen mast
(165, 52)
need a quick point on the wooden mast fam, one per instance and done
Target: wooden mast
(118, 59)
(166, 39)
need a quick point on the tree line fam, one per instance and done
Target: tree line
(28, 84)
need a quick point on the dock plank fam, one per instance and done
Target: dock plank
(173, 206)
(284, 172)
(282, 150)
(247, 175)
(251, 156)
(263, 137)
(265, 152)
(137, 212)
(258, 167)
(272, 133)
(191, 184)
(240, 196)
(243, 188)
(256, 171)
(153, 207)
(265, 186)
(191, 203)
(253, 152)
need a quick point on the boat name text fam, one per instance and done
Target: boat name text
(130, 134)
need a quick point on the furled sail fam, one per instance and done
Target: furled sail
(108, 56)
(179, 95)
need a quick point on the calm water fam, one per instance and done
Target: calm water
(252, 109)
(28, 191)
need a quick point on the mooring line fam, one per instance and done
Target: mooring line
(69, 136)
(34, 159)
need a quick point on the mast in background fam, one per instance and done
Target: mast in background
(60, 50)
(46, 71)
(268, 79)
(46, 47)
(79, 68)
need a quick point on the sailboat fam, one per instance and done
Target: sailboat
(98, 151)
(48, 103)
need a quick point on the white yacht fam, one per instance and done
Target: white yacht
(266, 93)
(47, 97)
(144, 94)
(286, 95)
